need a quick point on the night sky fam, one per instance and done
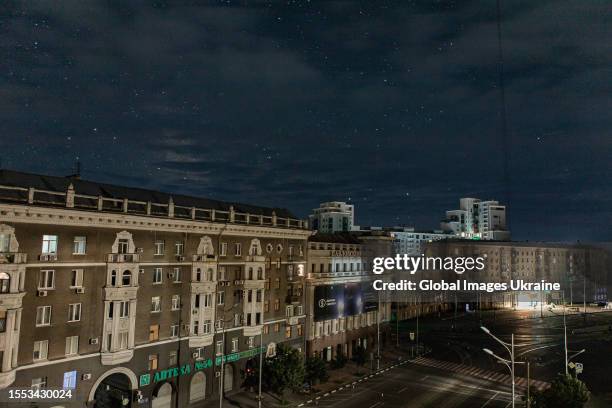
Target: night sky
(393, 106)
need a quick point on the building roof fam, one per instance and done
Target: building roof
(337, 237)
(92, 188)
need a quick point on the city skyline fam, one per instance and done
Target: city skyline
(392, 107)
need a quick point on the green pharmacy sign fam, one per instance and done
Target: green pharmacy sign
(162, 375)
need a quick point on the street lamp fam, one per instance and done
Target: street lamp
(509, 363)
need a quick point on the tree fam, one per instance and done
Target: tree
(565, 391)
(359, 356)
(339, 361)
(283, 372)
(315, 370)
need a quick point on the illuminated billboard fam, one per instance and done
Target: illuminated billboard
(341, 300)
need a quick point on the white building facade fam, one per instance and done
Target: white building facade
(477, 219)
(333, 216)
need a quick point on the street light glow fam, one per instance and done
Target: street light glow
(484, 329)
(486, 350)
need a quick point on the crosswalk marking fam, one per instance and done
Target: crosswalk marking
(478, 372)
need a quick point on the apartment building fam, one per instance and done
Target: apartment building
(343, 311)
(582, 270)
(477, 219)
(333, 216)
(134, 297)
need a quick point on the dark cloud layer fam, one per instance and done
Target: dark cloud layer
(392, 105)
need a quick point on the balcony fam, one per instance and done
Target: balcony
(123, 258)
(255, 258)
(47, 257)
(250, 331)
(13, 258)
(201, 340)
(117, 357)
(204, 258)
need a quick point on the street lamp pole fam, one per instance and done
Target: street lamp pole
(510, 349)
(260, 367)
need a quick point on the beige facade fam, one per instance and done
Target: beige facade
(98, 293)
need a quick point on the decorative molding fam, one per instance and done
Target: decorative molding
(63, 216)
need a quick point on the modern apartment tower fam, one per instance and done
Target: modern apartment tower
(333, 216)
(476, 219)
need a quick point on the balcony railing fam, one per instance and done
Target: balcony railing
(13, 257)
(71, 199)
(123, 258)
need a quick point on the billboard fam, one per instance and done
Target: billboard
(347, 299)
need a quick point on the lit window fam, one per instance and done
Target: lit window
(153, 332)
(152, 362)
(49, 244)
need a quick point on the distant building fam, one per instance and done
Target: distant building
(342, 311)
(408, 241)
(582, 270)
(476, 219)
(333, 216)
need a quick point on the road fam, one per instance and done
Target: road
(415, 386)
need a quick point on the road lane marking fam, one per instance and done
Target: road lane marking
(402, 390)
(489, 400)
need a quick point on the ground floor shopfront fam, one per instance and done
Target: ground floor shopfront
(186, 381)
(345, 343)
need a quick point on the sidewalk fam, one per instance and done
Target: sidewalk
(337, 378)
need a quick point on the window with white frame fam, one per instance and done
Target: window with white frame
(196, 327)
(49, 244)
(123, 340)
(172, 358)
(72, 345)
(157, 275)
(289, 311)
(234, 344)
(5, 242)
(177, 275)
(220, 298)
(159, 247)
(79, 246)
(179, 248)
(46, 280)
(39, 382)
(41, 349)
(238, 249)
(199, 351)
(300, 310)
(76, 278)
(220, 273)
(43, 316)
(219, 348)
(156, 304)
(124, 309)
(251, 342)
(74, 312)
(176, 302)
(223, 249)
(174, 330)
(207, 328)
(208, 300)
